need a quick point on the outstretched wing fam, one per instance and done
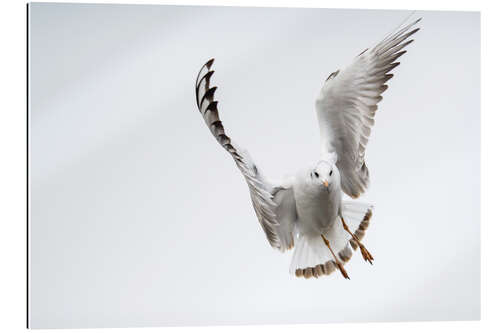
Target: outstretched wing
(347, 103)
(274, 205)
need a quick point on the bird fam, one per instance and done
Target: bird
(306, 212)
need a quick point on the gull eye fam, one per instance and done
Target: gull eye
(330, 172)
(316, 174)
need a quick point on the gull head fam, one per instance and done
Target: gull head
(323, 174)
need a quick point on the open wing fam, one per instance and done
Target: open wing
(274, 205)
(347, 103)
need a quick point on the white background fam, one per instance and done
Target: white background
(138, 218)
(20, 248)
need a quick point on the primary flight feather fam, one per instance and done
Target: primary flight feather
(307, 211)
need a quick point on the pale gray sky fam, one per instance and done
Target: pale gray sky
(139, 218)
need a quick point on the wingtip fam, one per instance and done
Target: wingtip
(209, 63)
(417, 22)
(414, 31)
(209, 95)
(205, 77)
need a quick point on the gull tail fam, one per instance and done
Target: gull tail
(312, 258)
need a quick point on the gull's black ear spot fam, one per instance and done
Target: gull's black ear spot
(316, 174)
(330, 172)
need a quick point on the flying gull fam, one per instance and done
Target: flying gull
(307, 211)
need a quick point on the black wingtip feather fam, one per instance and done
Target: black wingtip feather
(413, 31)
(209, 95)
(209, 63)
(212, 107)
(387, 77)
(218, 124)
(394, 65)
(206, 77)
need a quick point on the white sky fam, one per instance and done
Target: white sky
(138, 218)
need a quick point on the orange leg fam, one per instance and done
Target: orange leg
(339, 264)
(364, 252)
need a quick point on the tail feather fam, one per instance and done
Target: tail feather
(312, 258)
(361, 230)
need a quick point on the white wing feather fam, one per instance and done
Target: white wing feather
(274, 205)
(347, 103)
